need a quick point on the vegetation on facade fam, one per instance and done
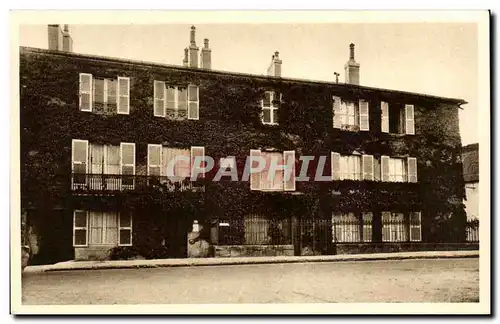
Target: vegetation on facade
(230, 125)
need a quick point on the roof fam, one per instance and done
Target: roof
(470, 162)
(23, 49)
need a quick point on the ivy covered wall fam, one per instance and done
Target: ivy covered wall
(230, 125)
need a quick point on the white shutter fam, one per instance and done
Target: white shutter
(193, 102)
(289, 160)
(85, 92)
(364, 121)
(123, 98)
(367, 161)
(336, 112)
(412, 169)
(254, 176)
(159, 99)
(154, 159)
(335, 160)
(127, 164)
(79, 162)
(384, 168)
(195, 152)
(384, 106)
(80, 228)
(409, 118)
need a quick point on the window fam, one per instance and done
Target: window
(352, 167)
(397, 119)
(101, 228)
(415, 227)
(270, 106)
(160, 156)
(94, 164)
(398, 169)
(345, 227)
(176, 102)
(394, 227)
(367, 227)
(227, 163)
(350, 115)
(104, 95)
(274, 180)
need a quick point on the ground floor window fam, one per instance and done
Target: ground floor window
(352, 227)
(101, 228)
(255, 229)
(393, 227)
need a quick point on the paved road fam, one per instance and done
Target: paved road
(433, 280)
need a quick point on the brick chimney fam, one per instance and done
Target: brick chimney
(351, 68)
(274, 68)
(193, 49)
(206, 56)
(59, 40)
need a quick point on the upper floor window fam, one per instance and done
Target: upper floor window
(398, 169)
(397, 119)
(104, 95)
(176, 102)
(277, 178)
(350, 115)
(160, 157)
(270, 106)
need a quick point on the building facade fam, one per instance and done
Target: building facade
(470, 160)
(98, 134)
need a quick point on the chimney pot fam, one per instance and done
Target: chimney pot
(351, 51)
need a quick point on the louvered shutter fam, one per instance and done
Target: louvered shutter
(193, 103)
(367, 167)
(197, 164)
(254, 176)
(409, 117)
(384, 168)
(154, 159)
(364, 121)
(79, 167)
(123, 95)
(80, 228)
(335, 157)
(289, 173)
(127, 162)
(85, 92)
(336, 112)
(159, 99)
(412, 169)
(384, 106)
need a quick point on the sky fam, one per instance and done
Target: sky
(432, 58)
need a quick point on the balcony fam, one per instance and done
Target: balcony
(101, 183)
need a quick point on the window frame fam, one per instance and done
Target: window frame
(122, 186)
(271, 108)
(86, 228)
(120, 228)
(119, 95)
(413, 226)
(89, 91)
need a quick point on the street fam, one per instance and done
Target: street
(431, 280)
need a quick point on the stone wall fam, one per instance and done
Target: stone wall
(222, 251)
(348, 248)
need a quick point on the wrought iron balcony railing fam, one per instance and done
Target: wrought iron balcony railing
(119, 182)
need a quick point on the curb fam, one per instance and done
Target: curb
(167, 263)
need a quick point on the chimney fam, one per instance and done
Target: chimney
(60, 40)
(67, 40)
(274, 68)
(206, 56)
(185, 62)
(351, 68)
(55, 38)
(193, 50)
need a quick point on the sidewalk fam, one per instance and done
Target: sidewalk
(158, 263)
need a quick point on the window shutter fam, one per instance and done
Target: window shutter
(336, 112)
(125, 229)
(384, 106)
(197, 151)
(194, 102)
(79, 163)
(80, 228)
(364, 122)
(154, 159)
(412, 169)
(384, 167)
(368, 167)
(410, 123)
(85, 92)
(159, 99)
(289, 173)
(123, 95)
(127, 162)
(254, 176)
(335, 157)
